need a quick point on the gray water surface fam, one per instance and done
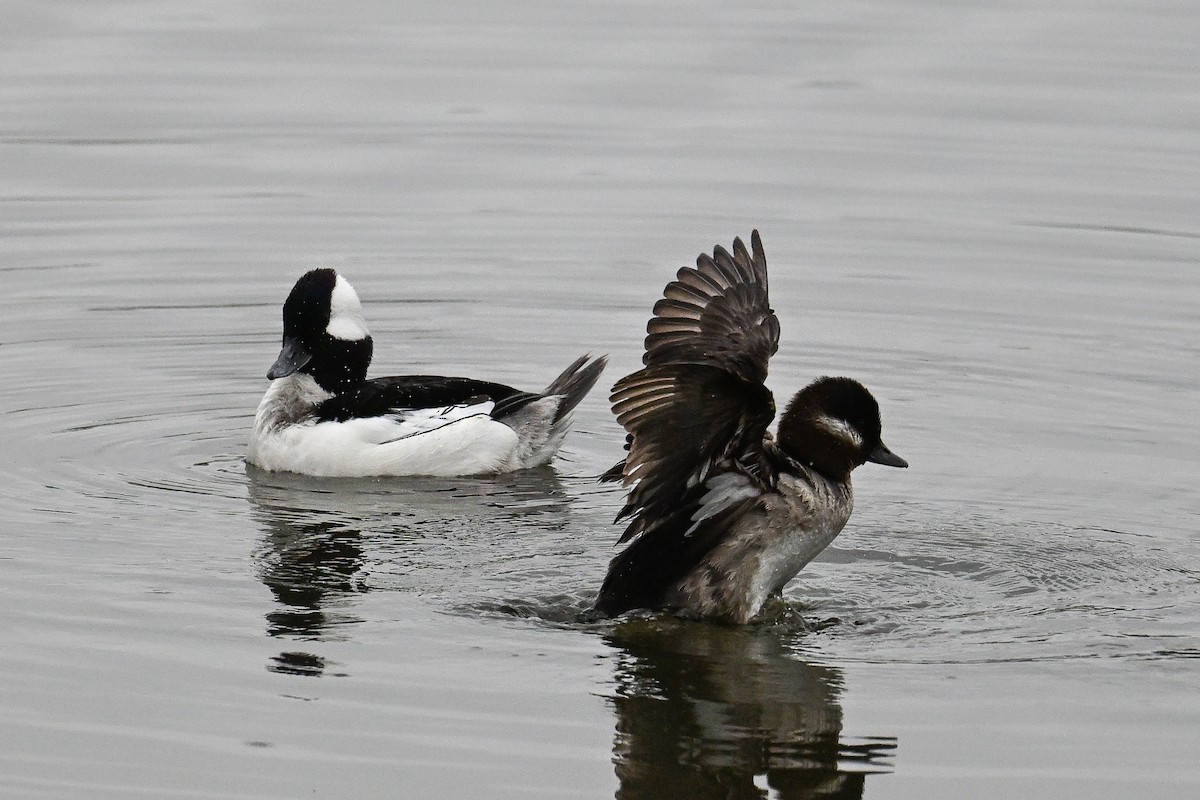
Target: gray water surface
(987, 215)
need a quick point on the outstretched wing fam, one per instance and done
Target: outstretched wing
(717, 315)
(699, 405)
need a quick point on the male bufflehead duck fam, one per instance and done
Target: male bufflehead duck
(722, 513)
(321, 416)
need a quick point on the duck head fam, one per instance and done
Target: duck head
(324, 333)
(832, 425)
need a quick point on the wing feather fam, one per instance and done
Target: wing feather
(717, 313)
(699, 405)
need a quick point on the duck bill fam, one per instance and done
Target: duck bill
(292, 357)
(881, 455)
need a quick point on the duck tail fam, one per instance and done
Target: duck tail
(575, 382)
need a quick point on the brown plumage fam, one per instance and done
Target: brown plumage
(721, 514)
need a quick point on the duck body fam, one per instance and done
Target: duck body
(321, 415)
(743, 557)
(723, 513)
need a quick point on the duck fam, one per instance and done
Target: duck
(722, 513)
(322, 416)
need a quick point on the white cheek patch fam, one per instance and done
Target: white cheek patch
(346, 319)
(841, 429)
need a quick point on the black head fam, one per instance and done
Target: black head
(832, 425)
(324, 333)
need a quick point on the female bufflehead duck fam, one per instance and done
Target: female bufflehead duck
(722, 513)
(321, 416)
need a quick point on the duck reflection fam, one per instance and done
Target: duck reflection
(309, 566)
(707, 711)
(325, 542)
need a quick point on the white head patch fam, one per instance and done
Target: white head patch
(346, 319)
(841, 429)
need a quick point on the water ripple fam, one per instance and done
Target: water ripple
(982, 589)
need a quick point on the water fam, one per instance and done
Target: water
(987, 215)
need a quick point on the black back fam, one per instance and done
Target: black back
(383, 396)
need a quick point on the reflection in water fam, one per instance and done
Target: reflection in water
(297, 663)
(306, 566)
(706, 711)
(311, 560)
(327, 541)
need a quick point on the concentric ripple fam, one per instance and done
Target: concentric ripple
(980, 588)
